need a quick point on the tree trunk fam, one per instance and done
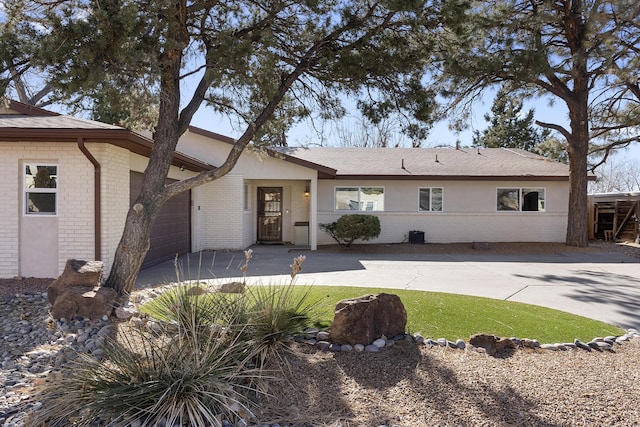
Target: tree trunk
(578, 103)
(577, 221)
(135, 240)
(578, 217)
(131, 250)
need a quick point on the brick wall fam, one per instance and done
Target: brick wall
(75, 203)
(114, 188)
(9, 208)
(219, 210)
(458, 227)
(469, 212)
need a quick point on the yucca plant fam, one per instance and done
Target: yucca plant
(276, 313)
(199, 376)
(187, 300)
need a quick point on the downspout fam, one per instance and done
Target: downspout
(96, 198)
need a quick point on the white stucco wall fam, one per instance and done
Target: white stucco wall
(469, 212)
(255, 169)
(251, 165)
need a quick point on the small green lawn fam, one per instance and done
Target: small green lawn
(436, 315)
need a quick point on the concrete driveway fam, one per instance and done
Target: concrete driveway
(600, 285)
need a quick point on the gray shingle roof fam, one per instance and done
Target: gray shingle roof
(430, 162)
(50, 122)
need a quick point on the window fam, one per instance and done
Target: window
(41, 189)
(431, 199)
(359, 199)
(521, 199)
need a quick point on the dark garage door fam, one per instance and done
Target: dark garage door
(171, 232)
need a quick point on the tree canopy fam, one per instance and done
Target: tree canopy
(508, 126)
(268, 63)
(581, 53)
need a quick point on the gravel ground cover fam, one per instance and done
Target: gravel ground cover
(403, 385)
(408, 385)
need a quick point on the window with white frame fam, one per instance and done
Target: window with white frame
(431, 199)
(40, 189)
(359, 199)
(521, 199)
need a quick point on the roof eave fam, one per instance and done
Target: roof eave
(30, 110)
(323, 171)
(452, 177)
(123, 138)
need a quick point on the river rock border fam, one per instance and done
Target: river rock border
(33, 345)
(322, 341)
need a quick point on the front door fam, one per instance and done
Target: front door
(269, 214)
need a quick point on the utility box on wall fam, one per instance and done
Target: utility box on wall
(301, 233)
(416, 237)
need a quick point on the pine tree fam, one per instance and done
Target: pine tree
(508, 127)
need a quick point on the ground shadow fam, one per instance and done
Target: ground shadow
(276, 261)
(402, 386)
(605, 289)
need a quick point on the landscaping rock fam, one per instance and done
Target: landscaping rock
(372, 348)
(232, 288)
(366, 318)
(491, 343)
(322, 335)
(77, 292)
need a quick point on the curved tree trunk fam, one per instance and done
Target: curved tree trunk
(135, 240)
(133, 247)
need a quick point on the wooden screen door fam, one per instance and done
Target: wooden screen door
(269, 214)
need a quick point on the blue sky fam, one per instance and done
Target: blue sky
(439, 135)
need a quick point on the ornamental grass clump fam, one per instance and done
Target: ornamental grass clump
(190, 372)
(197, 359)
(277, 313)
(188, 304)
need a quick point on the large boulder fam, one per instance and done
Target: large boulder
(77, 292)
(364, 319)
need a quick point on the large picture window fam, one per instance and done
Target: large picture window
(359, 199)
(40, 189)
(431, 199)
(521, 199)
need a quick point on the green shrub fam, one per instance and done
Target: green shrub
(349, 228)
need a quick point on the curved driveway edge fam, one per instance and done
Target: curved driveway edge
(600, 285)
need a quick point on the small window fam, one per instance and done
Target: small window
(359, 199)
(508, 199)
(431, 199)
(533, 199)
(41, 189)
(521, 199)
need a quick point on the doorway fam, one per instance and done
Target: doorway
(269, 214)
